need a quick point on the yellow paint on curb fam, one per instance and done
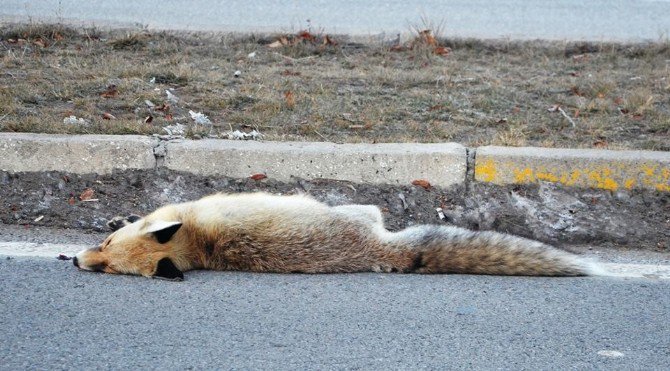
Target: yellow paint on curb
(486, 171)
(611, 176)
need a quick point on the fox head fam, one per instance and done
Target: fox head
(137, 246)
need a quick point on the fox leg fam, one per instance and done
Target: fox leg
(119, 222)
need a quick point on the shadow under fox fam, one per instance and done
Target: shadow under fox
(259, 232)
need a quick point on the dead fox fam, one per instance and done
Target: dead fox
(259, 232)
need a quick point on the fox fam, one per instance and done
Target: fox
(261, 232)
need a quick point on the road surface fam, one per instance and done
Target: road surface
(56, 317)
(519, 19)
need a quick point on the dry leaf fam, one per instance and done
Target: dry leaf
(580, 58)
(426, 36)
(258, 176)
(327, 40)
(282, 41)
(422, 183)
(290, 99)
(110, 92)
(40, 43)
(443, 51)
(290, 73)
(148, 119)
(275, 44)
(576, 91)
(600, 143)
(306, 36)
(87, 194)
(108, 116)
(168, 117)
(71, 200)
(163, 107)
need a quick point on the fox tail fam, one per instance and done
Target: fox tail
(446, 249)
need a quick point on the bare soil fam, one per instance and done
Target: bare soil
(313, 88)
(560, 216)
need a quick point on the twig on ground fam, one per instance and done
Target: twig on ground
(567, 117)
(321, 135)
(558, 108)
(295, 59)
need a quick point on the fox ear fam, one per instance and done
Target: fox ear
(162, 230)
(166, 270)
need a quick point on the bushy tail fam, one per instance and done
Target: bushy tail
(444, 249)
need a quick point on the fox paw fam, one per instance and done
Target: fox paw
(119, 222)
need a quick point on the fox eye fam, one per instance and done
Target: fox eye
(105, 244)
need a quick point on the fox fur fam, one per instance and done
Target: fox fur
(259, 232)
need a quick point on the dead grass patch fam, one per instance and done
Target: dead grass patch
(480, 92)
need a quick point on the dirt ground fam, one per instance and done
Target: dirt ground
(560, 216)
(310, 87)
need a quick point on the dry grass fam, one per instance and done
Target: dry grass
(482, 92)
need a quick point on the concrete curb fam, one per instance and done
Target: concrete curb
(441, 164)
(610, 170)
(75, 153)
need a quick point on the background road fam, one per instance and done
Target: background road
(556, 19)
(55, 317)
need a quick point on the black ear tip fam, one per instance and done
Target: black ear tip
(166, 269)
(164, 235)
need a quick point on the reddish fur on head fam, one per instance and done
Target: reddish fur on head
(141, 248)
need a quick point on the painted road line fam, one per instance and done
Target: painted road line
(43, 250)
(659, 271)
(50, 250)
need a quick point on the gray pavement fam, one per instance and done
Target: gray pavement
(55, 317)
(558, 19)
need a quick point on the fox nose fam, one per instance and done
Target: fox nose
(75, 262)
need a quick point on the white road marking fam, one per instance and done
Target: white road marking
(610, 353)
(52, 250)
(658, 271)
(44, 250)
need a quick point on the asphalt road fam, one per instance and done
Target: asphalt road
(55, 317)
(556, 19)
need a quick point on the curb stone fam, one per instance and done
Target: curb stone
(588, 168)
(442, 164)
(75, 153)
(391, 163)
